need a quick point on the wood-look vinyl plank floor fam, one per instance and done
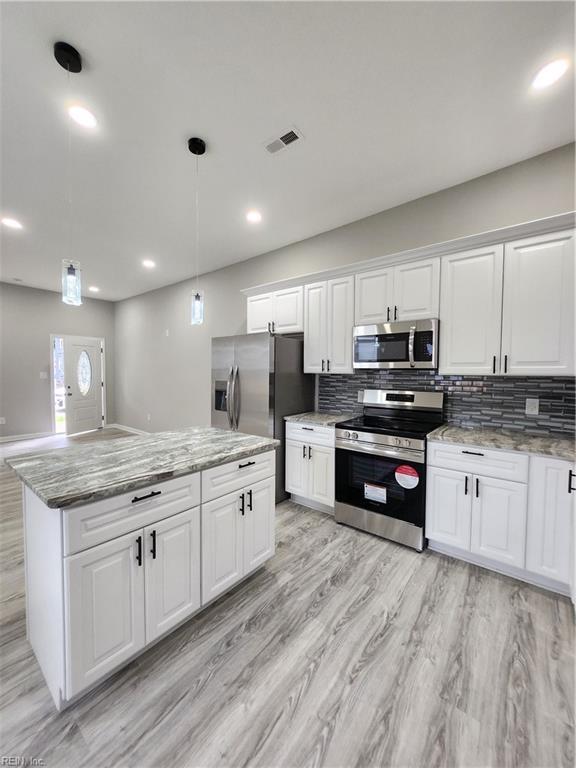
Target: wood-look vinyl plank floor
(345, 650)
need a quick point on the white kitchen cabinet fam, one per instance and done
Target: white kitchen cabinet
(172, 572)
(258, 522)
(550, 529)
(499, 520)
(321, 474)
(278, 311)
(471, 311)
(296, 478)
(310, 467)
(407, 291)
(104, 598)
(449, 507)
(538, 306)
(328, 323)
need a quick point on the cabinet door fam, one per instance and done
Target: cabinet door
(373, 296)
(104, 599)
(499, 520)
(221, 545)
(172, 571)
(289, 310)
(259, 313)
(538, 307)
(321, 474)
(550, 534)
(296, 468)
(416, 290)
(448, 507)
(315, 352)
(470, 311)
(258, 522)
(340, 325)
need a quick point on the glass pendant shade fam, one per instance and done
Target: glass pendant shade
(197, 310)
(71, 285)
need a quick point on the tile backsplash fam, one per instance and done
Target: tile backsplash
(470, 401)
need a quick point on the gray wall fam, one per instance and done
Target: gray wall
(27, 318)
(168, 376)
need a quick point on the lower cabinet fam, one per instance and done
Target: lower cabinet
(237, 536)
(499, 520)
(448, 507)
(310, 471)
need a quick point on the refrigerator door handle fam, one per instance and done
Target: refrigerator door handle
(229, 396)
(236, 398)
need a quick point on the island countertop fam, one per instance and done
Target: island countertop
(86, 473)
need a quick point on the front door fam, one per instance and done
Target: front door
(83, 384)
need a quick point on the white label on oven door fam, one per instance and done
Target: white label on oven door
(406, 476)
(375, 492)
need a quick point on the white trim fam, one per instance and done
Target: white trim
(506, 570)
(311, 504)
(30, 436)
(127, 429)
(491, 237)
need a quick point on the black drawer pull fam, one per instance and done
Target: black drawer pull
(466, 486)
(477, 488)
(139, 550)
(153, 550)
(248, 464)
(242, 504)
(309, 452)
(308, 429)
(570, 476)
(148, 496)
(250, 500)
(473, 453)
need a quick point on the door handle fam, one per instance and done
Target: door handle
(387, 314)
(328, 366)
(322, 365)
(248, 464)
(242, 504)
(477, 488)
(153, 550)
(250, 500)
(273, 326)
(303, 451)
(570, 476)
(269, 331)
(505, 363)
(411, 337)
(309, 452)
(139, 550)
(466, 486)
(494, 364)
(235, 398)
(395, 312)
(148, 496)
(229, 398)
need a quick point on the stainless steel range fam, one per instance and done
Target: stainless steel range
(381, 464)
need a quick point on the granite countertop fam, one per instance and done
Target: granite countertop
(560, 446)
(91, 472)
(319, 419)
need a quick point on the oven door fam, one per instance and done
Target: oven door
(391, 482)
(396, 345)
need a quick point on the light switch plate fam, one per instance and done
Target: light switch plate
(532, 406)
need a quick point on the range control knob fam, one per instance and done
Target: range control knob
(397, 441)
(354, 435)
(407, 443)
(346, 434)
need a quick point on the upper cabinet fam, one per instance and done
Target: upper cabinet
(277, 312)
(470, 311)
(406, 292)
(509, 310)
(538, 316)
(328, 322)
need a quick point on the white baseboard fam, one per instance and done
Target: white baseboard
(30, 436)
(506, 570)
(127, 429)
(318, 506)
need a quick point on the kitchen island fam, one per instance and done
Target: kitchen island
(126, 540)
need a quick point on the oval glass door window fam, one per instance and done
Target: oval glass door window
(84, 373)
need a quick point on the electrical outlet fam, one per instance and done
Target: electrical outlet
(2, 420)
(532, 406)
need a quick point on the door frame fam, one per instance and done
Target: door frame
(54, 336)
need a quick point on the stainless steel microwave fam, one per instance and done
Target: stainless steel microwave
(406, 344)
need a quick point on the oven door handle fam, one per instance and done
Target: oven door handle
(393, 453)
(411, 336)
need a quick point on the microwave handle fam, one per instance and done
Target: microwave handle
(411, 346)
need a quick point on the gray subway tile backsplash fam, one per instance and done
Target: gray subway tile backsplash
(470, 401)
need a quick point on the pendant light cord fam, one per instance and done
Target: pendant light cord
(197, 224)
(69, 180)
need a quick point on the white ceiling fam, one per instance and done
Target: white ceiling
(395, 100)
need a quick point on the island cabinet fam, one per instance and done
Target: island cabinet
(105, 580)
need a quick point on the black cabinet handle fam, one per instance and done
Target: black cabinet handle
(148, 496)
(248, 464)
(473, 453)
(309, 452)
(570, 476)
(273, 330)
(477, 488)
(466, 486)
(322, 366)
(328, 366)
(494, 364)
(308, 429)
(387, 314)
(395, 312)
(153, 550)
(242, 504)
(268, 327)
(139, 550)
(303, 451)
(505, 363)
(250, 500)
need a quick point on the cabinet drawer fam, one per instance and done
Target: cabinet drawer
(505, 465)
(228, 478)
(102, 521)
(308, 433)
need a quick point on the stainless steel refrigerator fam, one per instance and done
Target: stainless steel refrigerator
(257, 379)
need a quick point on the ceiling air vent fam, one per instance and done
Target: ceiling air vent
(275, 145)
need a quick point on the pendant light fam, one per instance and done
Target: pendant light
(197, 147)
(70, 60)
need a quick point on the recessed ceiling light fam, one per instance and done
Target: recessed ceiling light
(148, 263)
(550, 73)
(82, 116)
(93, 289)
(12, 223)
(254, 216)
